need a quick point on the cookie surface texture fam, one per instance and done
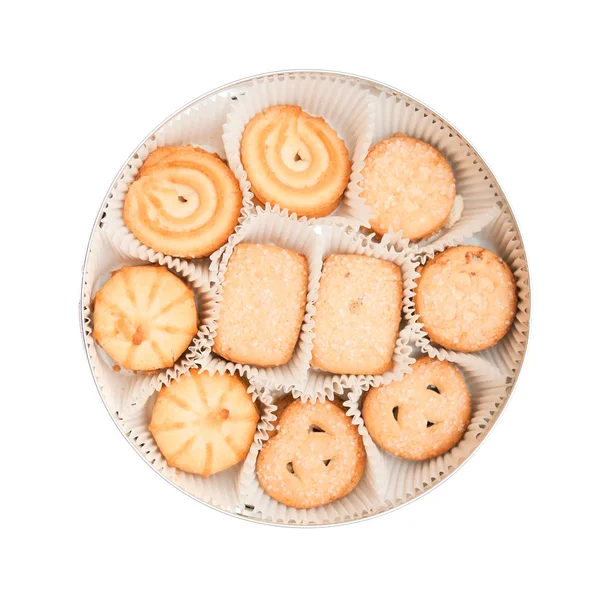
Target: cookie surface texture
(466, 298)
(316, 457)
(422, 416)
(204, 423)
(185, 202)
(295, 160)
(358, 312)
(262, 305)
(144, 317)
(408, 186)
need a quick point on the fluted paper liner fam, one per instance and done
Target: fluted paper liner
(127, 390)
(365, 499)
(200, 125)
(220, 489)
(501, 237)
(409, 478)
(336, 240)
(398, 114)
(344, 104)
(276, 228)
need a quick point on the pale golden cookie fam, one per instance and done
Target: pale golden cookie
(422, 416)
(466, 298)
(358, 312)
(204, 423)
(145, 317)
(316, 457)
(409, 186)
(295, 160)
(185, 202)
(262, 305)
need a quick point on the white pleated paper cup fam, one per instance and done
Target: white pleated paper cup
(277, 228)
(407, 479)
(345, 106)
(477, 198)
(321, 384)
(200, 125)
(221, 489)
(127, 390)
(365, 499)
(501, 237)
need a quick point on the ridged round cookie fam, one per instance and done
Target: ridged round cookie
(422, 416)
(204, 423)
(466, 298)
(316, 457)
(295, 160)
(185, 202)
(144, 317)
(408, 186)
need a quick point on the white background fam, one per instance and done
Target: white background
(82, 516)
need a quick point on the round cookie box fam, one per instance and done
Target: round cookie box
(363, 112)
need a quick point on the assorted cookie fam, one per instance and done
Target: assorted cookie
(295, 160)
(186, 202)
(315, 457)
(204, 423)
(466, 298)
(358, 312)
(423, 415)
(262, 305)
(408, 186)
(144, 317)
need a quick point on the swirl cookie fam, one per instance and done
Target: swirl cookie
(358, 314)
(262, 305)
(295, 160)
(409, 186)
(185, 202)
(422, 416)
(204, 423)
(144, 317)
(466, 298)
(316, 457)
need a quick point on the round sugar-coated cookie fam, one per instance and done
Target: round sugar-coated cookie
(466, 298)
(408, 186)
(422, 416)
(144, 317)
(204, 423)
(316, 456)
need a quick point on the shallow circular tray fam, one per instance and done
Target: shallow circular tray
(507, 362)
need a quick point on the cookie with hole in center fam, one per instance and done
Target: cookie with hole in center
(422, 416)
(317, 456)
(204, 423)
(409, 186)
(466, 298)
(144, 317)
